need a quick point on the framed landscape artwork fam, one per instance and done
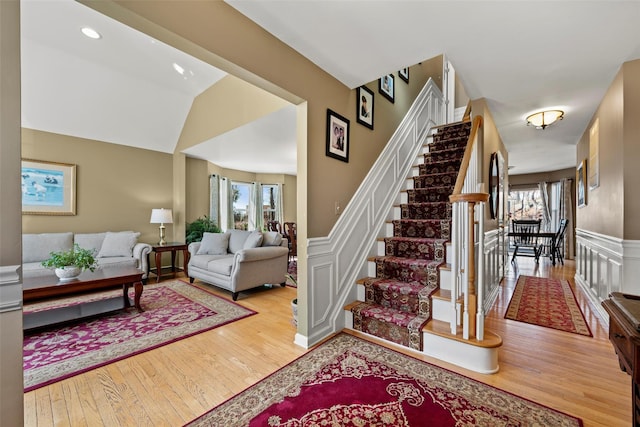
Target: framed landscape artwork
(337, 136)
(581, 184)
(48, 188)
(386, 87)
(364, 107)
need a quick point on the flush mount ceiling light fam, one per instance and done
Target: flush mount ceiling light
(90, 32)
(542, 119)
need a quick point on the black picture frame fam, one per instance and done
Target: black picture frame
(337, 136)
(386, 87)
(494, 186)
(404, 74)
(581, 184)
(364, 107)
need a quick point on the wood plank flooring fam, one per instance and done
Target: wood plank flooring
(173, 384)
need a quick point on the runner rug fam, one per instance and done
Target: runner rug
(173, 311)
(348, 381)
(547, 302)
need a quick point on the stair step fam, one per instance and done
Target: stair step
(443, 329)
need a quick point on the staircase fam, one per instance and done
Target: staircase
(400, 300)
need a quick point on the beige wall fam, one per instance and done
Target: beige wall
(11, 380)
(116, 186)
(604, 212)
(530, 180)
(218, 34)
(631, 157)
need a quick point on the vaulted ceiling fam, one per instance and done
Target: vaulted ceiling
(521, 56)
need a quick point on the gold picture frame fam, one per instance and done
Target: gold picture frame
(48, 188)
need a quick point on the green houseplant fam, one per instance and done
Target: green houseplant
(197, 228)
(68, 264)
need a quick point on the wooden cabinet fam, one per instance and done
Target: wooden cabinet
(626, 341)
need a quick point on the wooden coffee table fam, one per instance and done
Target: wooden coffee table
(50, 288)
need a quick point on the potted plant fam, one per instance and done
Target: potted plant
(69, 264)
(197, 228)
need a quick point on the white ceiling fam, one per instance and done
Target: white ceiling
(123, 89)
(519, 55)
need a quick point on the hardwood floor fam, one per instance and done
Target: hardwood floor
(173, 384)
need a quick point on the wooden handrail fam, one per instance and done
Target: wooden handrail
(477, 122)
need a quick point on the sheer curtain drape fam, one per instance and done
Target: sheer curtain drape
(279, 205)
(214, 198)
(256, 214)
(226, 204)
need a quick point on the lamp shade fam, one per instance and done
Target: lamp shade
(161, 216)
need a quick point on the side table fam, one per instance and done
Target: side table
(172, 247)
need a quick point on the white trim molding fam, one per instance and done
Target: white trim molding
(10, 288)
(335, 262)
(606, 264)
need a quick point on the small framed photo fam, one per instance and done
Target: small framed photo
(581, 184)
(337, 136)
(404, 74)
(48, 188)
(364, 106)
(386, 86)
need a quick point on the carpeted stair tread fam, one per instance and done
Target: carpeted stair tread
(415, 247)
(431, 228)
(397, 326)
(425, 210)
(433, 194)
(435, 179)
(444, 155)
(444, 166)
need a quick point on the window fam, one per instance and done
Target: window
(270, 199)
(240, 196)
(525, 204)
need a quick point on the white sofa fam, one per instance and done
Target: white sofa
(238, 260)
(110, 249)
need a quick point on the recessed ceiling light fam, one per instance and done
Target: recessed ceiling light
(178, 68)
(91, 33)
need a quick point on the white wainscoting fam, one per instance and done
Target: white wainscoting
(606, 264)
(492, 267)
(335, 262)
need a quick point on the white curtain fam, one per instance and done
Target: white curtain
(567, 203)
(226, 204)
(255, 214)
(280, 205)
(214, 198)
(546, 213)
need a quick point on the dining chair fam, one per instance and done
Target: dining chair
(291, 233)
(557, 244)
(526, 242)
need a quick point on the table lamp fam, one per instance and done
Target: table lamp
(162, 217)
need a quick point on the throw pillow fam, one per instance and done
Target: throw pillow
(36, 247)
(91, 241)
(118, 244)
(271, 238)
(237, 239)
(253, 241)
(213, 244)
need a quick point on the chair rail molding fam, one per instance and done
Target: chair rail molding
(606, 264)
(335, 262)
(10, 288)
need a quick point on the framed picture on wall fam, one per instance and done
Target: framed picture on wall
(48, 188)
(386, 86)
(337, 136)
(581, 184)
(404, 74)
(364, 107)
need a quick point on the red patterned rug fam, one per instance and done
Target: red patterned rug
(173, 310)
(547, 302)
(348, 381)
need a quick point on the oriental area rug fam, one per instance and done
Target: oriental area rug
(173, 310)
(547, 302)
(348, 381)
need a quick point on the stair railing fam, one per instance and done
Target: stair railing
(468, 202)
